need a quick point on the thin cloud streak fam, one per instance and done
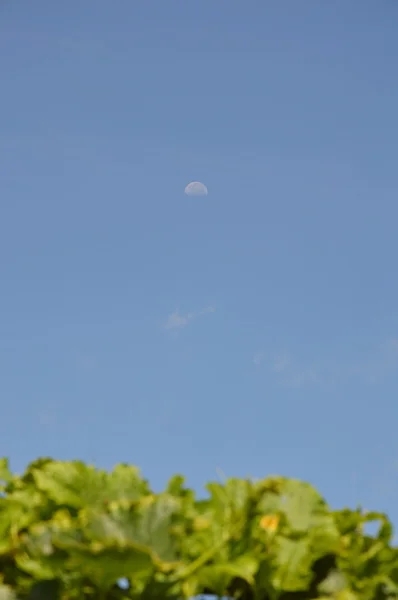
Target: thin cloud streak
(288, 371)
(382, 363)
(176, 320)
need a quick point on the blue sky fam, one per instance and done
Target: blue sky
(254, 330)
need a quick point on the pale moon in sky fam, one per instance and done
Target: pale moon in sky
(195, 188)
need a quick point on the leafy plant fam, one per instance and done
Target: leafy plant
(70, 531)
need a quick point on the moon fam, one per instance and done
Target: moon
(196, 188)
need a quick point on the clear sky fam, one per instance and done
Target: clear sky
(254, 330)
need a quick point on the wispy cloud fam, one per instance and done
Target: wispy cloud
(258, 358)
(288, 371)
(381, 363)
(292, 372)
(176, 320)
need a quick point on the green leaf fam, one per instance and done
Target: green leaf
(125, 484)
(148, 525)
(269, 504)
(219, 577)
(78, 485)
(71, 484)
(346, 595)
(38, 556)
(107, 566)
(153, 526)
(385, 531)
(323, 536)
(175, 486)
(335, 582)
(5, 473)
(229, 498)
(302, 504)
(292, 565)
(348, 521)
(7, 593)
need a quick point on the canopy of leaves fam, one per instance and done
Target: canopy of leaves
(68, 530)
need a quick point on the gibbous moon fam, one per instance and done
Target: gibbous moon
(195, 188)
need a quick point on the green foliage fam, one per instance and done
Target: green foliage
(69, 531)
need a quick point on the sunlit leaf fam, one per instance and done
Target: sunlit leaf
(219, 577)
(292, 565)
(7, 593)
(302, 504)
(5, 473)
